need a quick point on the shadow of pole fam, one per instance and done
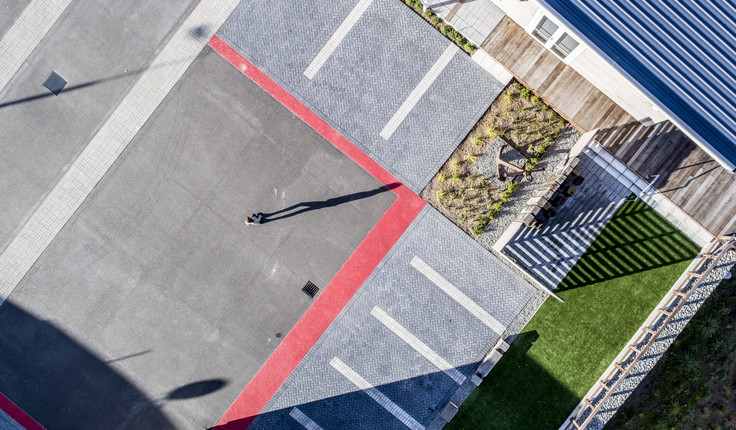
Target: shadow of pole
(88, 84)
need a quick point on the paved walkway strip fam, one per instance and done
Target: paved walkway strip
(336, 38)
(376, 395)
(26, 33)
(418, 345)
(458, 295)
(418, 91)
(304, 420)
(113, 137)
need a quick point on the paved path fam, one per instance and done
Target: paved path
(109, 142)
(658, 201)
(550, 253)
(391, 84)
(156, 283)
(475, 19)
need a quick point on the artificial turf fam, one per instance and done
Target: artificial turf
(566, 347)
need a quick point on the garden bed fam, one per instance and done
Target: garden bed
(459, 190)
(566, 347)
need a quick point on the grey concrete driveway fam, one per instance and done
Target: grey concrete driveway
(99, 47)
(156, 304)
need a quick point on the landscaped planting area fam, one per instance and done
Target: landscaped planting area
(694, 384)
(460, 191)
(566, 347)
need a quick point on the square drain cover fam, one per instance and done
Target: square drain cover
(310, 289)
(55, 83)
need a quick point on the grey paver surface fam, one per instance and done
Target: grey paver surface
(385, 360)
(91, 47)
(156, 282)
(7, 423)
(477, 19)
(550, 253)
(10, 10)
(368, 76)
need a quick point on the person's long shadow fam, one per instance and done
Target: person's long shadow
(302, 207)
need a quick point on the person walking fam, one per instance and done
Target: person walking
(254, 219)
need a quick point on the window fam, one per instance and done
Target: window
(545, 29)
(554, 37)
(565, 45)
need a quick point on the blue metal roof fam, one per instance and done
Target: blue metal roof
(681, 53)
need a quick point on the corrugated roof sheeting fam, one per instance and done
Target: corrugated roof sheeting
(681, 53)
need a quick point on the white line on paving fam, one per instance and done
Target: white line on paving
(418, 91)
(304, 420)
(28, 30)
(527, 233)
(597, 215)
(457, 295)
(577, 218)
(583, 240)
(418, 345)
(375, 394)
(336, 38)
(109, 142)
(546, 272)
(586, 218)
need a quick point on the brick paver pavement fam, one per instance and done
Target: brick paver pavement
(368, 77)
(387, 359)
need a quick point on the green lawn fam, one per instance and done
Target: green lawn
(566, 347)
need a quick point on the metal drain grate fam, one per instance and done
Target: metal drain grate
(310, 289)
(55, 83)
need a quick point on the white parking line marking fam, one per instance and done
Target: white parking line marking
(418, 92)
(418, 345)
(458, 295)
(304, 420)
(336, 38)
(376, 395)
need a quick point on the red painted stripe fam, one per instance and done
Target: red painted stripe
(348, 279)
(18, 415)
